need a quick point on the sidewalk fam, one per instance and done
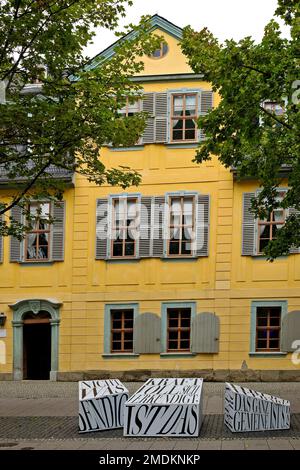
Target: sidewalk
(43, 415)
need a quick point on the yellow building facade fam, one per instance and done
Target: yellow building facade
(131, 309)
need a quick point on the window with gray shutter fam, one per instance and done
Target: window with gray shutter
(15, 244)
(293, 211)
(1, 242)
(147, 334)
(101, 228)
(156, 105)
(249, 223)
(206, 102)
(205, 105)
(145, 227)
(202, 225)
(161, 117)
(158, 227)
(58, 231)
(290, 330)
(205, 333)
(148, 107)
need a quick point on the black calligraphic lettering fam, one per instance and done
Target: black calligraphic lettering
(82, 423)
(196, 418)
(98, 414)
(110, 408)
(157, 409)
(237, 421)
(137, 420)
(177, 411)
(129, 416)
(86, 413)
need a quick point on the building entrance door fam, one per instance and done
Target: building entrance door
(36, 346)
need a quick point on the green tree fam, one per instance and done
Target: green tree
(245, 134)
(63, 123)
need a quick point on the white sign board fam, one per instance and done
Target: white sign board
(165, 407)
(247, 410)
(101, 405)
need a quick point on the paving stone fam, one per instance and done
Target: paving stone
(256, 444)
(186, 444)
(117, 444)
(295, 443)
(140, 445)
(209, 445)
(162, 444)
(279, 444)
(233, 445)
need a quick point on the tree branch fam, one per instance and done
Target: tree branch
(275, 118)
(26, 189)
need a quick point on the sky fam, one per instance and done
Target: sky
(226, 19)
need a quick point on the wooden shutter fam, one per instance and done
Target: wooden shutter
(202, 225)
(15, 244)
(248, 236)
(205, 333)
(58, 231)
(206, 102)
(293, 211)
(1, 242)
(290, 330)
(145, 227)
(148, 107)
(161, 117)
(102, 235)
(147, 334)
(205, 105)
(159, 228)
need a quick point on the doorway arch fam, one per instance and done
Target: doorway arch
(34, 307)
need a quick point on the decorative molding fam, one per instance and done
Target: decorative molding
(19, 308)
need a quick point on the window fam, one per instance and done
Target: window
(268, 326)
(130, 108)
(37, 242)
(178, 329)
(124, 227)
(160, 52)
(122, 331)
(268, 228)
(181, 226)
(274, 107)
(183, 117)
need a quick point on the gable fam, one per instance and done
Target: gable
(174, 61)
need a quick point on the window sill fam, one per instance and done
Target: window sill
(179, 258)
(122, 260)
(170, 354)
(267, 354)
(120, 356)
(186, 145)
(264, 258)
(36, 263)
(126, 149)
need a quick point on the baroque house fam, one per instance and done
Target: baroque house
(164, 279)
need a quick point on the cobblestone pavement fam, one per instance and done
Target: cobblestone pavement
(43, 415)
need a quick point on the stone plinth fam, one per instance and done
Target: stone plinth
(101, 405)
(247, 410)
(165, 407)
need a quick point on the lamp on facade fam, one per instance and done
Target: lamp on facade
(2, 319)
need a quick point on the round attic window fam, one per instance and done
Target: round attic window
(160, 52)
